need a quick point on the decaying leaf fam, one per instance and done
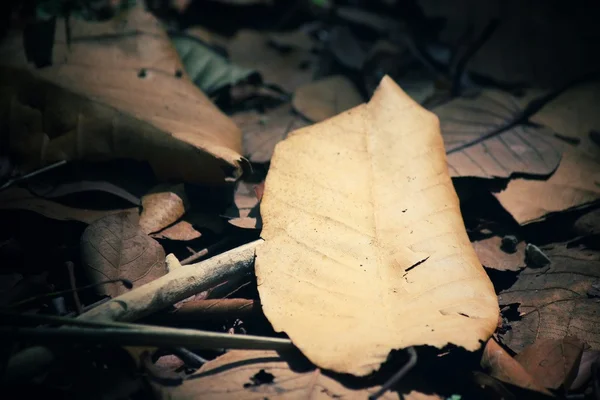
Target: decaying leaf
(115, 247)
(287, 69)
(163, 206)
(552, 362)
(261, 132)
(182, 230)
(499, 364)
(243, 374)
(492, 256)
(16, 198)
(118, 91)
(325, 98)
(365, 249)
(478, 144)
(575, 183)
(554, 301)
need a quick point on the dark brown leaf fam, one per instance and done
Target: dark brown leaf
(115, 247)
(163, 206)
(492, 256)
(554, 301)
(553, 363)
(477, 144)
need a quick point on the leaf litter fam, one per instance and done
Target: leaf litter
(114, 88)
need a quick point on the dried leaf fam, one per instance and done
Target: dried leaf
(286, 69)
(163, 206)
(245, 213)
(16, 198)
(500, 365)
(575, 183)
(477, 144)
(553, 301)
(365, 250)
(584, 371)
(265, 374)
(263, 131)
(492, 256)
(115, 247)
(552, 362)
(118, 91)
(325, 98)
(182, 230)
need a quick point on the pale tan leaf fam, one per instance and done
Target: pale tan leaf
(553, 362)
(553, 302)
(262, 132)
(492, 256)
(164, 205)
(16, 198)
(182, 230)
(118, 91)
(325, 98)
(575, 183)
(478, 145)
(115, 247)
(243, 374)
(346, 203)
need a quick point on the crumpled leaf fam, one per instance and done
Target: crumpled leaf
(500, 365)
(553, 302)
(552, 362)
(163, 206)
(118, 91)
(247, 374)
(287, 69)
(207, 69)
(325, 98)
(365, 249)
(492, 256)
(17, 198)
(115, 247)
(468, 126)
(262, 132)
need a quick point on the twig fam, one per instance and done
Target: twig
(209, 250)
(73, 284)
(11, 182)
(201, 310)
(412, 361)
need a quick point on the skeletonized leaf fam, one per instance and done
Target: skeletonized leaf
(245, 375)
(118, 91)
(492, 256)
(365, 249)
(163, 206)
(16, 198)
(115, 247)
(325, 98)
(478, 146)
(553, 303)
(553, 362)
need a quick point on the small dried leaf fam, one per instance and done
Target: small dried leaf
(182, 230)
(552, 362)
(325, 98)
(115, 247)
(468, 126)
(162, 207)
(245, 211)
(553, 302)
(492, 256)
(365, 251)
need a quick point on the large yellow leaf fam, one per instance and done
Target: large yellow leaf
(118, 91)
(365, 249)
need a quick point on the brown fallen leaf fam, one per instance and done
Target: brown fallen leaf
(325, 98)
(118, 91)
(553, 363)
(478, 146)
(163, 206)
(500, 365)
(365, 249)
(182, 231)
(553, 302)
(245, 213)
(115, 247)
(16, 198)
(244, 374)
(287, 69)
(575, 183)
(262, 132)
(492, 256)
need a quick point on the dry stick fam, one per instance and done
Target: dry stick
(210, 249)
(202, 310)
(73, 283)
